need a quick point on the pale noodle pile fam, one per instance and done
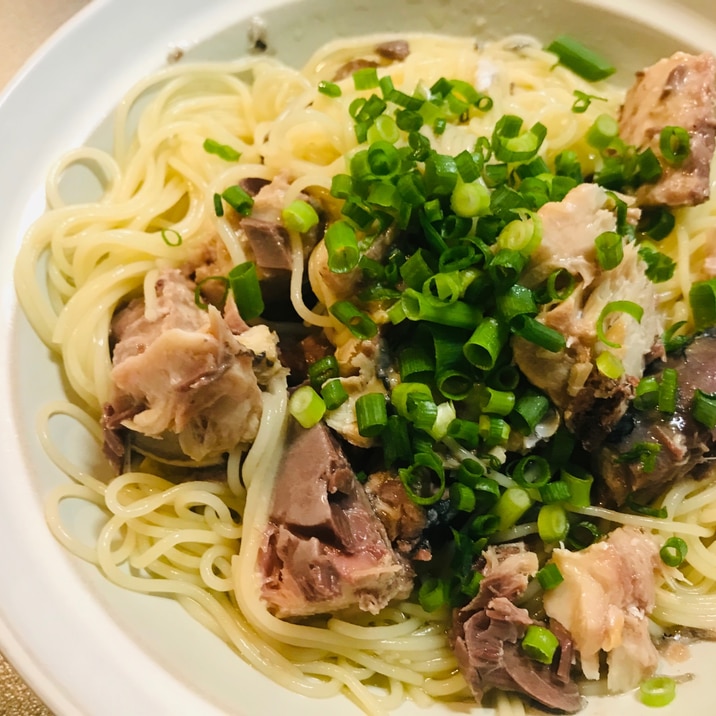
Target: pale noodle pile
(80, 262)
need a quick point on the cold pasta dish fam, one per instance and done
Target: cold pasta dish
(402, 364)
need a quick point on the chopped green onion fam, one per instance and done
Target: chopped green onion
(433, 594)
(224, 151)
(360, 324)
(610, 250)
(531, 471)
(223, 280)
(218, 205)
(245, 286)
(579, 487)
(580, 59)
(603, 131)
(530, 408)
(657, 691)
(493, 430)
(440, 174)
(383, 159)
(420, 307)
(462, 498)
(649, 169)
(471, 472)
(466, 432)
(673, 552)
(672, 342)
(365, 78)
(496, 402)
(583, 100)
(299, 216)
(521, 235)
(657, 222)
(582, 535)
(396, 441)
(238, 200)
(469, 200)
(640, 509)
(333, 393)
(540, 644)
(552, 523)
(668, 390)
(511, 506)
(485, 344)
(644, 452)
(306, 406)
(549, 576)
(425, 468)
(177, 241)
(322, 370)
(516, 301)
(675, 144)
(511, 145)
(330, 89)
(702, 298)
(646, 393)
(628, 307)
(554, 492)
(371, 414)
(532, 330)
(402, 392)
(482, 526)
(417, 269)
(342, 247)
(609, 365)
(703, 408)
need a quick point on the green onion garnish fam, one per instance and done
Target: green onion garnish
(639, 509)
(549, 576)
(342, 247)
(322, 370)
(218, 205)
(360, 324)
(511, 506)
(646, 393)
(675, 144)
(540, 644)
(702, 298)
(582, 535)
(603, 131)
(238, 200)
(333, 393)
(579, 485)
(224, 151)
(245, 286)
(553, 492)
(462, 498)
(610, 249)
(531, 471)
(330, 89)
(529, 409)
(433, 594)
(668, 390)
(485, 344)
(583, 100)
(299, 216)
(703, 408)
(657, 691)
(532, 330)
(673, 552)
(371, 414)
(424, 471)
(306, 406)
(365, 78)
(644, 452)
(580, 59)
(552, 523)
(166, 237)
(628, 307)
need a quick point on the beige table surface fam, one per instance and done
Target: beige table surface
(24, 26)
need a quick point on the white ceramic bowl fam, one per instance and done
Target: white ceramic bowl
(86, 646)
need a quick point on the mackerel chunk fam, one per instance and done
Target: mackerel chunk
(678, 91)
(324, 548)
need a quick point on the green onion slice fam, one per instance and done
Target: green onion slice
(224, 151)
(360, 324)
(629, 307)
(540, 644)
(306, 406)
(657, 691)
(675, 144)
(371, 414)
(580, 59)
(245, 286)
(673, 552)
